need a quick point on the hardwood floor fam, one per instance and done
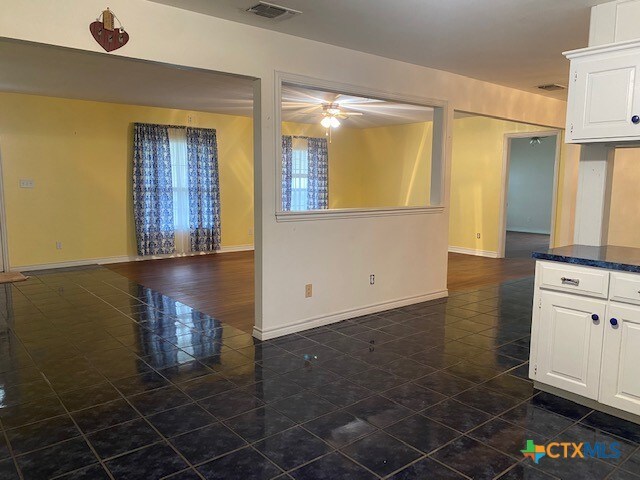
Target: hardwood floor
(222, 285)
(520, 245)
(469, 271)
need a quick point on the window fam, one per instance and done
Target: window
(305, 181)
(180, 187)
(176, 195)
(342, 151)
(299, 174)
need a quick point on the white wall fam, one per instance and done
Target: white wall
(530, 194)
(407, 252)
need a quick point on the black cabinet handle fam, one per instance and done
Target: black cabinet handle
(595, 317)
(614, 322)
(635, 119)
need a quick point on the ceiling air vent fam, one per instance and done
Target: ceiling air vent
(551, 87)
(270, 10)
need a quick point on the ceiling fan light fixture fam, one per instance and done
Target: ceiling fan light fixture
(326, 122)
(334, 122)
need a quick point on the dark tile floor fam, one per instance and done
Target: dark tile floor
(103, 378)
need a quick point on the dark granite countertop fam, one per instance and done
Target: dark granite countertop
(611, 257)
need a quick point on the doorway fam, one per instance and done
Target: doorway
(529, 193)
(4, 254)
(74, 206)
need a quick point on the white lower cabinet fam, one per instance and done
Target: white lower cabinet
(587, 341)
(620, 376)
(570, 336)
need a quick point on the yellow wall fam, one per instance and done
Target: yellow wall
(79, 155)
(566, 194)
(345, 162)
(397, 165)
(624, 220)
(476, 183)
(376, 167)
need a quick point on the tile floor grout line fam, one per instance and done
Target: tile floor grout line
(334, 450)
(82, 434)
(12, 455)
(162, 437)
(309, 388)
(427, 457)
(339, 449)
(619, 468)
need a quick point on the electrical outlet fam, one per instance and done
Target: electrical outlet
(308, 290)
(478, 235)
(26, 183)
(58, 245)
(372, 279)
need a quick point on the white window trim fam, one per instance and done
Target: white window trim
(342, 213)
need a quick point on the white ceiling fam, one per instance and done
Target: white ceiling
(517, 43)
(59, 72)
(304, 105)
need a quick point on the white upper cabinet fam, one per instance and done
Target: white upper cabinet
(604, 94)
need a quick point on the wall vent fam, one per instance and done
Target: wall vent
(551, 87)
(270, 10)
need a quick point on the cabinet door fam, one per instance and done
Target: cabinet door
(620, 380)
(570, 342)
(604, 96)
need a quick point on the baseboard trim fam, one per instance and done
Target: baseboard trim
(73, 263)
(471, 251)
(587, 402)
(528, 230)
(322, 320)
(124, 258)
(236, 248)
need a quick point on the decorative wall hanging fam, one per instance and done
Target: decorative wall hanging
(105, 33)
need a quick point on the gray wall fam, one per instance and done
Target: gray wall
(530, 197)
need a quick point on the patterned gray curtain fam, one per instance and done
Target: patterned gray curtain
(287, 157)
(152, 190)
(204, 189)
(318, 190)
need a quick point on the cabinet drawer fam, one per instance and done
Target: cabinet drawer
(579, 280)
(625, 287)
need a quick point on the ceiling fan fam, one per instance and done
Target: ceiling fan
(332, 114)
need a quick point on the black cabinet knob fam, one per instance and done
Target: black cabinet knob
(614, 322)
(595, 317)
(635, 119)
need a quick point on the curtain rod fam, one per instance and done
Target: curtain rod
(174, 126)
(303, 136)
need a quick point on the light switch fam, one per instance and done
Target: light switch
(26, 183)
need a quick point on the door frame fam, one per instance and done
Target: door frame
(504, 191)
(4, 244)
